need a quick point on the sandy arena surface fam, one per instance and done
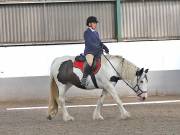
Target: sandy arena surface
(149, 119)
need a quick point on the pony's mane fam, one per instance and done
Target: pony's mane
(126, 69)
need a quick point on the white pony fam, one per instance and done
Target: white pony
(113, 68)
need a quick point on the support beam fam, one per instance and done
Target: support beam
(118, 20)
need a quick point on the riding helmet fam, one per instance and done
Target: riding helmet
(91, 19)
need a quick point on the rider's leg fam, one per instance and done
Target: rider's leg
(89, 59)
(87, 68)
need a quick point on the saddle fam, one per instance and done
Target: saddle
(80, 61)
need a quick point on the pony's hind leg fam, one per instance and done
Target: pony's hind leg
(62, 90)
(97, 112)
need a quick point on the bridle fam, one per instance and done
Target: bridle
(139, 91)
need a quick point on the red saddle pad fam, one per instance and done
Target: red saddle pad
(80, 65)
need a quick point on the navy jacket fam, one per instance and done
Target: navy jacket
(93, 44)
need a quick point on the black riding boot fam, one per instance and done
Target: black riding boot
(87, 71)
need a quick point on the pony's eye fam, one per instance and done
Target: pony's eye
(141, 81)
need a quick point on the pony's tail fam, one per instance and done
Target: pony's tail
(53, 99)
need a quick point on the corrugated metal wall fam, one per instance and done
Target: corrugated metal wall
(150, 19)
(20, 24)
(53, 22)
(57, 21)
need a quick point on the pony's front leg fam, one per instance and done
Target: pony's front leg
(113, 93)
(66, 116)
(97, 112)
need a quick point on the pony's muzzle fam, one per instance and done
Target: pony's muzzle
(143, 97)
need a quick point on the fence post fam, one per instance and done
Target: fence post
(118, 20)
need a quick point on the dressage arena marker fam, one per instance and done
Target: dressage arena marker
(84, 106)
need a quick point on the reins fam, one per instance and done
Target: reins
(133, 88)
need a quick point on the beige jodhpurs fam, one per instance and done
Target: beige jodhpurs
(89, 58)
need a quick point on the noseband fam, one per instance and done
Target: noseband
(139, 92)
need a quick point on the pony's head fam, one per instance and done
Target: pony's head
(141, 81)
(133, 76)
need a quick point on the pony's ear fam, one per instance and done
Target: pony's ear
(146, 70)
(139, 73)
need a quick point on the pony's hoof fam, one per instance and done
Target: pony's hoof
(125, 116)
(68, 118)
(98, 117)
(49, 117)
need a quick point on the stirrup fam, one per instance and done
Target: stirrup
(83, 82)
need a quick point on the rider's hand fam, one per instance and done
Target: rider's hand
(106, 50)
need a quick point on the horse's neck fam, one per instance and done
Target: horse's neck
(109, 63)
(128, 71)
